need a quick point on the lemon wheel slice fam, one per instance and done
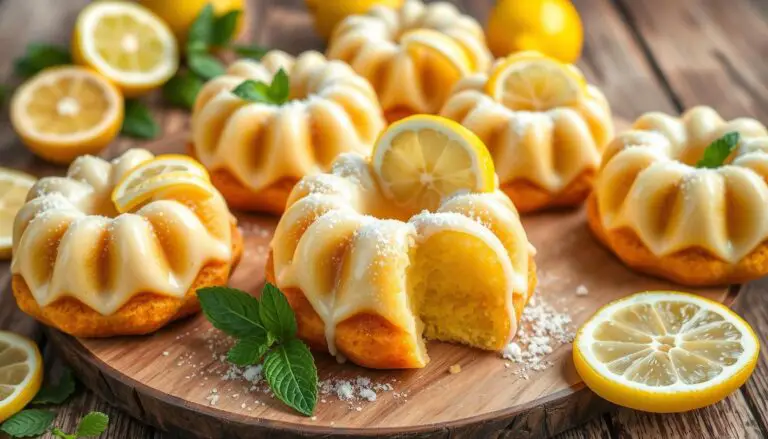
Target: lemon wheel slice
(665, 352)
(427, 41)
(422, 159)
(162, 164)
(127, 43)
(529, 81)
(64, 112)
(21, 373)
(14, 187)
(134, 192)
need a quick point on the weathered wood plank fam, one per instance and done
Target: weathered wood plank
(753, 306)
(595, 429)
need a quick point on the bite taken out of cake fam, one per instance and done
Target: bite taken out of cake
(415, 241)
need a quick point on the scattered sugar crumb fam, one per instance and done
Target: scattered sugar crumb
(166, 353)
(456, 368)
(582, 290)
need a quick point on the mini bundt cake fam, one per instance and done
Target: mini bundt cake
(412, 55)
(544, 126)
(82, 267)
(256, 152)
(661, 212)
(366, 279)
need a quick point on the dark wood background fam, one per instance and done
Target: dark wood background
(646, 55)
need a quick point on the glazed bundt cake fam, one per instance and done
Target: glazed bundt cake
(662, 213)
(83, 267)
(256, 152)
(412, 55)
(367, 278)
(544, 126)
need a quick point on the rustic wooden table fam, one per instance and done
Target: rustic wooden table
(646, 55)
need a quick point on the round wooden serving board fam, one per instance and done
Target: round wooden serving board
(168, 379)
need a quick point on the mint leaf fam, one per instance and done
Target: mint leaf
(253, 91)
(138, 122)
(182, 90)
(250, 350)
(28, 423)
(204, 65)
(291, 373)
(61, 434)
(232, 311)
(276, 313)
(253, 51)
(57, 394)
(4, 90)
(201, 30)
(40, 56)
(280, 88)
(718, 151)
(93, 424)
(224, 28)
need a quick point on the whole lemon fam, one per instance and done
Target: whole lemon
(329, 13)
(552, 27)
(180, 14)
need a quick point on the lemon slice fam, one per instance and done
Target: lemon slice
(64, 112)
(422, 159)
(127, 43)
(162, 164)
(665, 352)
(430, 42)
(21, 373)
(131, 193)
(529, 81)
(14, 187)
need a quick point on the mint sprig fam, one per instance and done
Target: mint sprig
(92, 425)
(718, 151)
(266, 329)
(39, 56)
(138, 121)
(28, 423)
(224, 28)
(182, 89)
(275, 93)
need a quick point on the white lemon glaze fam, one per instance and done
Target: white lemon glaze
(332, 110)
(70, 242)
(649, 183)
(333, 220)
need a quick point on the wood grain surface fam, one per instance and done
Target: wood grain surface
(645, 54)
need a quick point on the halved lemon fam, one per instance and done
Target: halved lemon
(530, 81)
(14, 186)
(132, 192)
(422, 159)
(665, 352)
(65, 112)
(127, 43)
(21, 373)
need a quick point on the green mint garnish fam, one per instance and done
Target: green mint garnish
(256, 91)
(182, 89)
(28, 423)
(224, 28)
(200, 31)
(205, 65)
(249, 51)
(40, 56)
(92, 425)
(138, 121)
(57, 394)
(265, 329)
(718, 151)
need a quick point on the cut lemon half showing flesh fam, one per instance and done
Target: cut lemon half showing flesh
(21, 373)
(665, 352)
(529, 81)
(127, 43)
(65, 112)
(422, 159)
(14, 187)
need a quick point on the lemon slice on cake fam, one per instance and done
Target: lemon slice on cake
(422, 159)
(530, 81)
(127, 43)
(65, 112)
(665, 352)
(428, 42)
(21, 373)
(180, 174)
(14, 187)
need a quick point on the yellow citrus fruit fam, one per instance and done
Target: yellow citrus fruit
(14, 186)
(423, 158)
(65, 112)
(149, 178)
(22, 373)
(663, 351)
(179, 15)
(127, 43)
(530, 81)
(328, 14)
(427, 42)
(552, 27)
